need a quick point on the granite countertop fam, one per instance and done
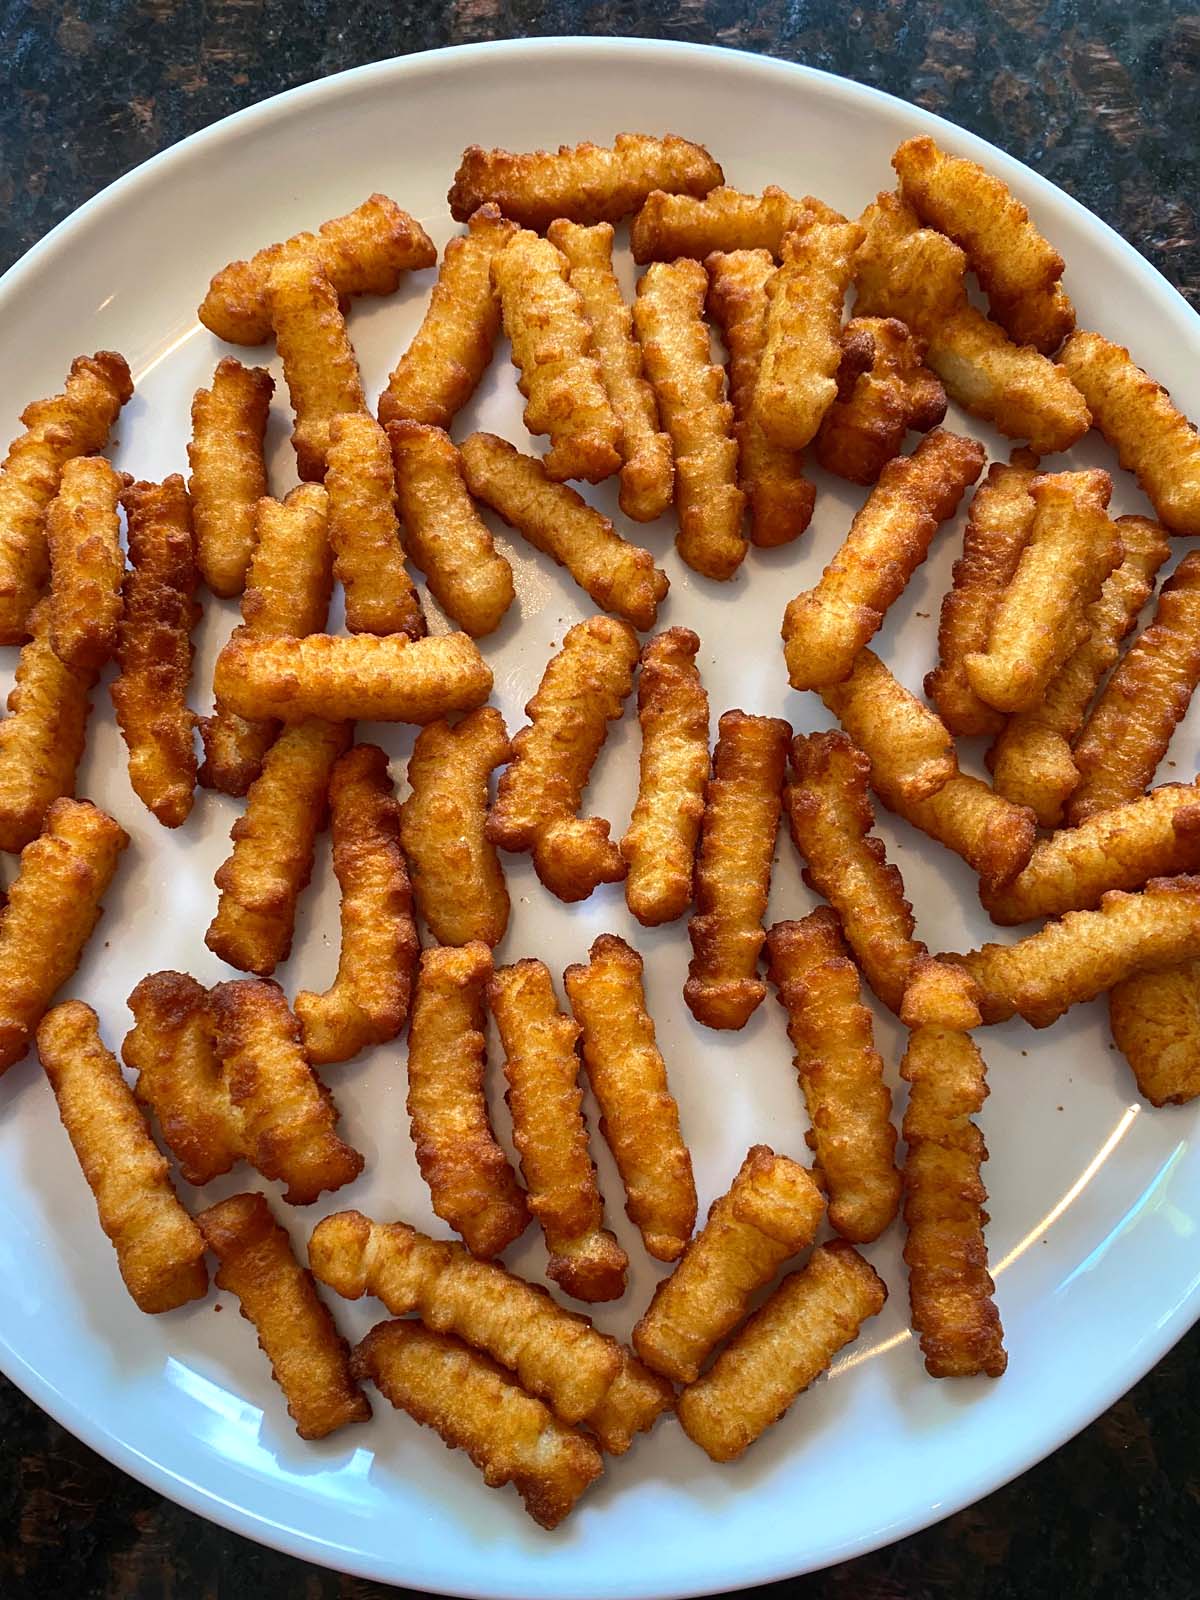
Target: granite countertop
(1101, 97)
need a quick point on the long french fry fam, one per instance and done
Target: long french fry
(991, 834)
(86, 562)
(364, 535)
(228, 476)
(672, 225)
(319, 364)
(909, 747)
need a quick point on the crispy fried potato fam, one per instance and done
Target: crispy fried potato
(659, 846)
(772, 1210)
(262, 878)
(648, 470)
(552, 348)
(672, 225)
(586, 183)
(456, 874)
(83, 534)
(67, 425)
(471, 1403)
(778, 496)
(42, 738)
(550, 1134)
(950, 1288)
(906, 271)
(471, 1184)
(160, 1252)
(172, 1048)
(369, 999)
(1130, 726)
(784, 1347)
(638, 1115)
(362, 678)
(865, 426)
(310, 1360)
(1153, 440)
(841, 1074)
(363, 252)
(228, 476)
(154, 649)
(286, 1116)
(53, 906)
(450, 351)
(1155, 1020)
(368, 558)
(1017, 269)
(669, 317)
(831, 818)
(447, 538)
(825, 627)
(742, 802)
(909, 747)
(583, 688)
(1032, 762)
(632, 1405)
(998, 527)
(319, 364)
(992, 835)
(1039, 619)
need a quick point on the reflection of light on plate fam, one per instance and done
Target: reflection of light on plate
(857, 1357)
(1151, 1199)
(167, 350)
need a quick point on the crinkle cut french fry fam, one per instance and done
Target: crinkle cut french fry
(471, 1184)
(361, 678)
(319, 364)
(583, 688)
(53, 906)
(825, 628)
(1088, 952)
(831, 818)
(309, 1358)
(864, 429)
(368, 1001)
(286, 1117)
(364, 535)
(908, 745)
(1039, 620)
(638, 1115)
(160, 1251)
(633, 1403)
(58, 429)
(586, 183)
(669, 317)
(998, 527)
(619, 576)
(1018, 270)
(552, 348)
(474, 1406)
(841, 1073)
(550, 1134)
(992, 835)
(456, 874)
(229, 475)
(659, 846)
(771, 1212)
(779, 497)
(42, 738)
(363, 252)
(906, 271)
(1032, 762)
(262, 878)
(1152, 438)
(450, 351)
(784, 1347)
(83, 533)
(742, 802)
(1130, 726)
(672, 225)
(950, 1288)
(648, 470)
(1155, 1020)
(172, 1048)
(154, 649)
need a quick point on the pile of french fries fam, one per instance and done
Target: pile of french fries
(1030, 655)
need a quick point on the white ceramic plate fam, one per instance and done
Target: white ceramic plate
(1094, 1200)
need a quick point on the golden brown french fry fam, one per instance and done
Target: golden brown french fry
(1155, 1020)
(319, 364)
(909, 747)
(876, 406)
(991, 834)
(160, 1251)
(86, 562)
(550, 1134)
(672, 225)
(229, 475)
(364, 535)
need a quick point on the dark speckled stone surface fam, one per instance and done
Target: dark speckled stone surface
(1099, 95)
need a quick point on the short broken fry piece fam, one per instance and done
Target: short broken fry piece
(771, 1212)
(309, 1358)
(992, 835)
(229, 475)
(784, 1347)
(633, 1403)
(865, 426)
(1155, 1020)
(87, 563)
(908, 745)
(159, 1248)
(672, 225)
(550, 1134)
(368, 558)
(319, 364)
